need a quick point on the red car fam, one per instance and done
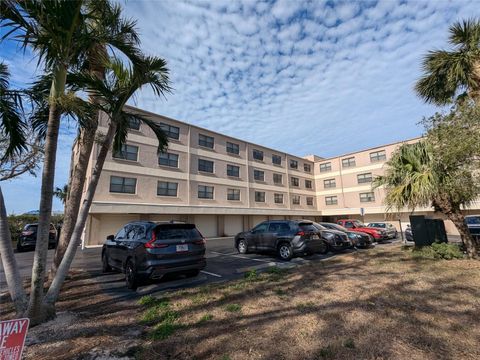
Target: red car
(352, 224)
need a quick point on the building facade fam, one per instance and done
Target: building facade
(226, 185)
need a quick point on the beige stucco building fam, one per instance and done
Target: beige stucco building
(226, 185)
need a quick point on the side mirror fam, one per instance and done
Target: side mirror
(111, 237)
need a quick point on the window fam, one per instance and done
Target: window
(348, 162)
(364, 178)
(279, 227)
(233, 194)
(293, 164)
(308, 184)
(277, 178)
(309, 201)
(331, 200)
(294, 181)
(206, 141)
(233, 170)
(133, 123)
(296, 199)
(260, 228)
(258, 155)
(278, 198)
(128, 152)
(307, 168)
(259, 196)
(367, 197)
(325, 167)
(205, 192)
(233, 148)
(205, 166)
(123, 185)
(258, 175)
(378, 156)
(168, 159)
(173, 132)
(329, 183)
(165, 188)
(276, 159)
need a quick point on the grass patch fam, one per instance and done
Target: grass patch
(326, 353)
(159, 314)
(438, 251)
(251, 275)
(233, 308)
(349, 343)
(306, 306)
(205, 318)
(164, 330)
(280, 292)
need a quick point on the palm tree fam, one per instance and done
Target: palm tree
(61, 33)
(118, 86)
(61, 193)
(415, 178)
(11, 127)
(455, 74)
(124, 37)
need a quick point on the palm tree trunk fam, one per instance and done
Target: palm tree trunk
(10, 267)
(75, 192)
(54, 290)
(35, 311)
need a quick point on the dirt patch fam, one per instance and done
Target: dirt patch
(376, 304)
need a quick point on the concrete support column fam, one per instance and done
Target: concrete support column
(220, 225)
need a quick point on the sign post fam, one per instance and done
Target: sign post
(12, 338)
(362, 213)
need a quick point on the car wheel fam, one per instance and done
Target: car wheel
(324, 249)
(285, 251)
(242, 246)
(105, 265)
(131, 279)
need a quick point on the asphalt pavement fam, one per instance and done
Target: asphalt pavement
(224, 263)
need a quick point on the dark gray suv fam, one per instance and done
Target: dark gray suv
(149, 250)
(285, 237)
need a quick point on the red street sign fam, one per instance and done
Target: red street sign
(12, 338)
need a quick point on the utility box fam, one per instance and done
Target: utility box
(426, 231)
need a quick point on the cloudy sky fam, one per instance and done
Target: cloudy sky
(304, 77)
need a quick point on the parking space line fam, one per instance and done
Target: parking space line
(209, 273)
(247, 258)
(219, 253)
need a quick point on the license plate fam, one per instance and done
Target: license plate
(182, 248)
(315, 237)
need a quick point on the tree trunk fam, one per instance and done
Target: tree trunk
(77, 177)
(45, 211)
(54, 290)
(458, 220)
(75, 192)
(10, 267)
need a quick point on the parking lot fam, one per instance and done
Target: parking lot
(223, 264)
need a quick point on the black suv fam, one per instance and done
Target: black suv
(357, 238)
(285, 237)
(148, 250)
(28, 237)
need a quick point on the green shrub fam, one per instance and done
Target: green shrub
(438, 251)
(251, 275)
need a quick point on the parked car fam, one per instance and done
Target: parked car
(355, 225)
(28, 237)
(336, 240)
(408, 233)
(473, 223)
(389, 228)
(149, 250)
(287, 238)
(358, 239)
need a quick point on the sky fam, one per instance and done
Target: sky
(303, 77)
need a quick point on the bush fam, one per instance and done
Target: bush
(439, 251)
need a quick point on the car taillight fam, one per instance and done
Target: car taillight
(151, 243)
(27, 233)
(200, 242)
(300, 233)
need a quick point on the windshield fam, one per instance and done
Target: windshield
(358, 224)
(473, 220)
(377, 225)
